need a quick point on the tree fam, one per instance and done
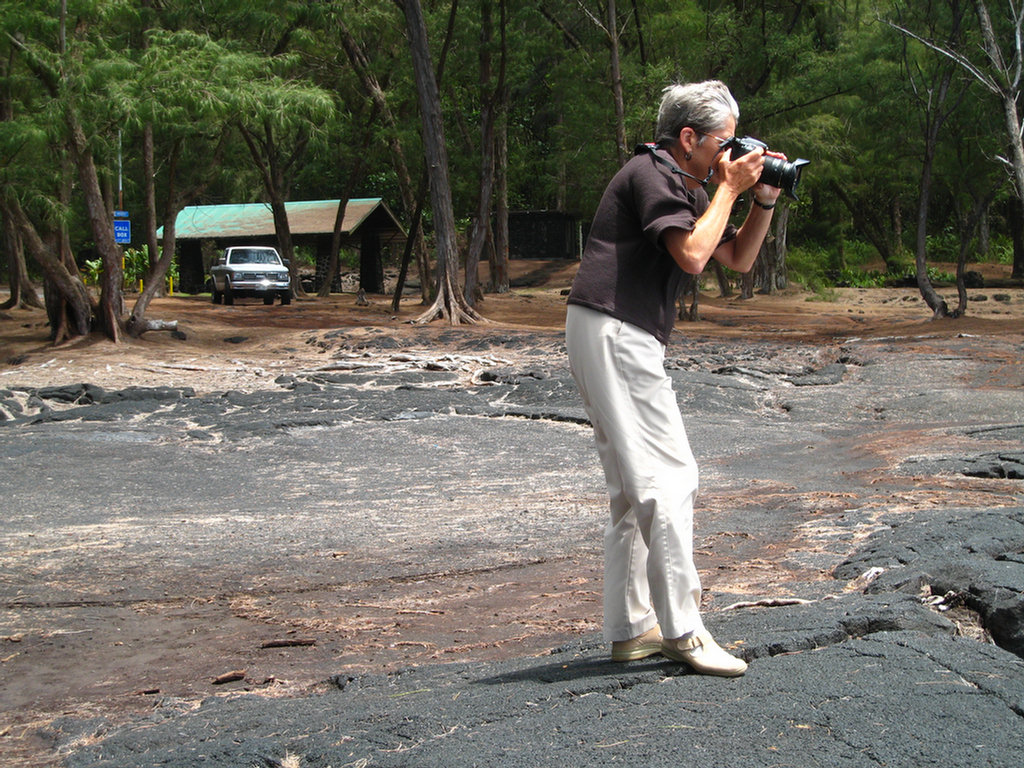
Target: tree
(610, 29)
(490, 96)
(449, 303)
(277, 160)
(1001, 75)
(22, 294)
(63, 72)
(541, 100)
(935, 105)
(182, 110)
(1005, 82)
(67, 300)
(498, 255)
(769, 273)
(375, 92)
(278, 119)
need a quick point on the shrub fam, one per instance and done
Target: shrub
(136, 265)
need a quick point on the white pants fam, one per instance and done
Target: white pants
(651, 474)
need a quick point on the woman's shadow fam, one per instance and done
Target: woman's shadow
(575, 663)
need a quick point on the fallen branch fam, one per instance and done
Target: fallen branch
(229, 677)
(431, 612)
(289, 642)
(771, 602)
(154, 325)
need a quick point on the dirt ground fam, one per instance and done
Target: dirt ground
(246, 346)
(239, 347)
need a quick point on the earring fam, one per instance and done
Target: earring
(688, 155)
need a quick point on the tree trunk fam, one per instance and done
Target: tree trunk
(747, 280)
(137, 323)
(934, 119)
(1008, 93)
(154, 281)
(770, 269)
(101, 224)
(404, 178)
(621, 150)
(690, 287)
(352, 180)
(414, 228)
(23, 293)
(481, 222)
(970, 222)
(984, 235)
(868, 223)
(935, 302)
(284, 241)
(149, 189)
(67, 300)
(449, 302)
(1016, 220)
(333, 256)
(266, 154)
(897, 227)
(500, 282)
(724, 286)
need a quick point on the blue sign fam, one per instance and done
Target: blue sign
(120, 214)
(122, 231)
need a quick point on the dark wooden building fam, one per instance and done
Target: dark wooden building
(544, 235)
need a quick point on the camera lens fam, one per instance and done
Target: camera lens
(783, 174)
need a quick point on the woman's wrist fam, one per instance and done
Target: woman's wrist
(766, 206)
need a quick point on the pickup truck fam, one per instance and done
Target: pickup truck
(250, 270)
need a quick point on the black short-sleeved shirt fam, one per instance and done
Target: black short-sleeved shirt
(626, 271)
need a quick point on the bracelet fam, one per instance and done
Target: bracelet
(767, 207)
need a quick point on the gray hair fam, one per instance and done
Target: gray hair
(705, 107)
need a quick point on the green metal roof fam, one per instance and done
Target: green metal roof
(310, 217)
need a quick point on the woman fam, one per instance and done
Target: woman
(654, 223)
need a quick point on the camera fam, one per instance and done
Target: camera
(776, 172)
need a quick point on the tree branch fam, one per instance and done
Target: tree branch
(963, 61)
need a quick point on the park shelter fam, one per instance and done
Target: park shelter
(369, 227)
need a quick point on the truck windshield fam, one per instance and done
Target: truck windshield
(254, 256)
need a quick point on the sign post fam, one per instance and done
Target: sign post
(122, 227)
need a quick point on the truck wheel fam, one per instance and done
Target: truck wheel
(229, 295)
(286, 296)
(268, 299)
(216, 296)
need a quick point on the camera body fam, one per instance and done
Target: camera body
(777, 172)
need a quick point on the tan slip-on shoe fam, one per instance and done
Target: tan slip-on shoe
(647, 644)
(703, 654)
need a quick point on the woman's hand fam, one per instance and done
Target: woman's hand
(740, 174)
(763, 193)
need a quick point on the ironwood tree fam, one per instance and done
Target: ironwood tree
(449, 303)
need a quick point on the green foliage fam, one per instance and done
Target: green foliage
(809, 266)
(943, 246)
(92, 271)
(1000, 250)
(305, 256)
(851, 277)
(136, 265)
(815, 270)
(348, 259)
(819, 80)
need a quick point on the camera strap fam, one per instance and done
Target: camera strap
(653, 149)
